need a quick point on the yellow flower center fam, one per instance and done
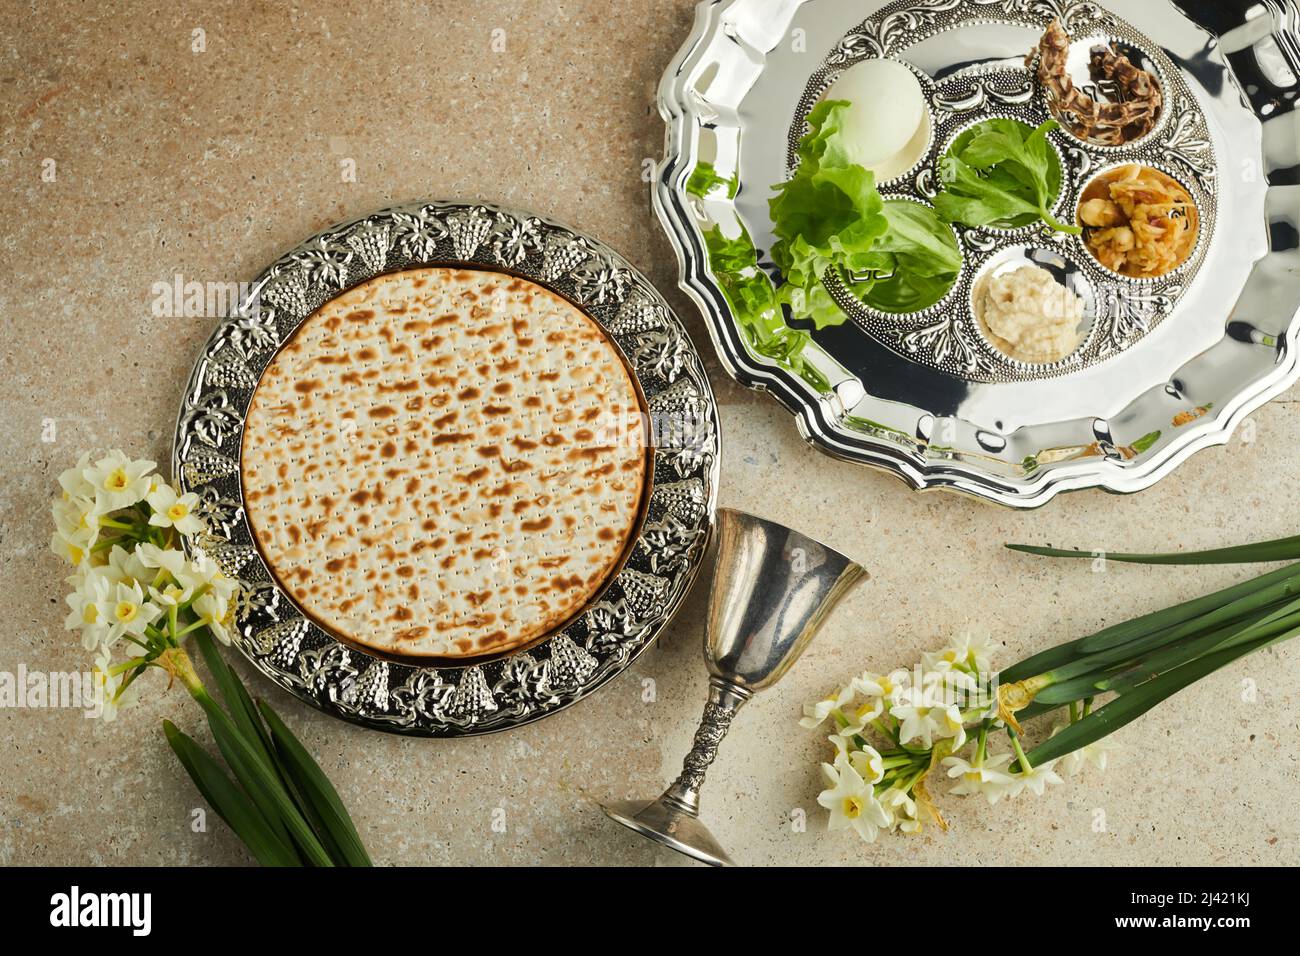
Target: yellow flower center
(76, 554)
(175, 592)
(90, 614)
(177, 511)
(853, 807)
(974, 776)
(862, 711)
(126, 611)
(116, 480)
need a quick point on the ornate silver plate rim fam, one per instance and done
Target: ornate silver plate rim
(617, 626)
(1148, 418)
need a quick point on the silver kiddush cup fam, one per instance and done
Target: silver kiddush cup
(772, 589)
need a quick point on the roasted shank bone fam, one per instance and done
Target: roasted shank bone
(1108, 123)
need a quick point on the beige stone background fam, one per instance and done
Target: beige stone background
(211, 164)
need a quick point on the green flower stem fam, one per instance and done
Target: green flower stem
(1021, 759)
(893, 763)
(192, 627)
(885, 731)
(129, 664)
(199, 591)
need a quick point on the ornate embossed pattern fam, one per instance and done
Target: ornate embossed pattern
(516, 689)
(714, 726)
(946, 336)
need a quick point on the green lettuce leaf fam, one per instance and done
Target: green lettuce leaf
(754, 305)
(830, 216)
(920, 256)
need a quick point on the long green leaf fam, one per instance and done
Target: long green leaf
(229, 802)
(1140, 627)
(1096, 673)
(317, 789)
(1281, 549)
(1126, 708)
(246, 717)
(249, 725)
(1169, 660)
(262, 782)
(235, 696)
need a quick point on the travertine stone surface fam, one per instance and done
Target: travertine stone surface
(209, 164)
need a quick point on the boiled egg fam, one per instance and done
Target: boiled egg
(887, 125)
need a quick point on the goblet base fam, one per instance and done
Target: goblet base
(673, 826)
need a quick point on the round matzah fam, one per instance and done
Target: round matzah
(444, 463)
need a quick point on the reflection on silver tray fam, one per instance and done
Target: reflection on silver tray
(1168, 366)
(520, 687)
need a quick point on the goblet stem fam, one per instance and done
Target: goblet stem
(724, 700)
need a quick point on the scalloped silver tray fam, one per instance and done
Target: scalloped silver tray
(1167, 366)
(621, 622)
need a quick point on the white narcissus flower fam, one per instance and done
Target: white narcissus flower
(68, 550)
(901, 810)
(75, 521)
(73, 480)
(851, 801)
(948, 724)
(969, 652)
(127, 612)
(868, 763)
(106, 684)
(118, 481)
(862, 714)
(171, 594)
(92, 587)
(866, 760)
(174, 511)
(1096, 754)
(1036, 780)
(815, 713)
(216, 611)
(201, 569)
(877, 693)
(886, 686)
(124, 565)
(919, 718)
(176, 563)
(989, 779)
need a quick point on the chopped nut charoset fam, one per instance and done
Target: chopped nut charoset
(1139, 222)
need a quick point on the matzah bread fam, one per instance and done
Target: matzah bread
(445, 463)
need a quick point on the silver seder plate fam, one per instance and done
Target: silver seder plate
(1166, 367)
(617, 625)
